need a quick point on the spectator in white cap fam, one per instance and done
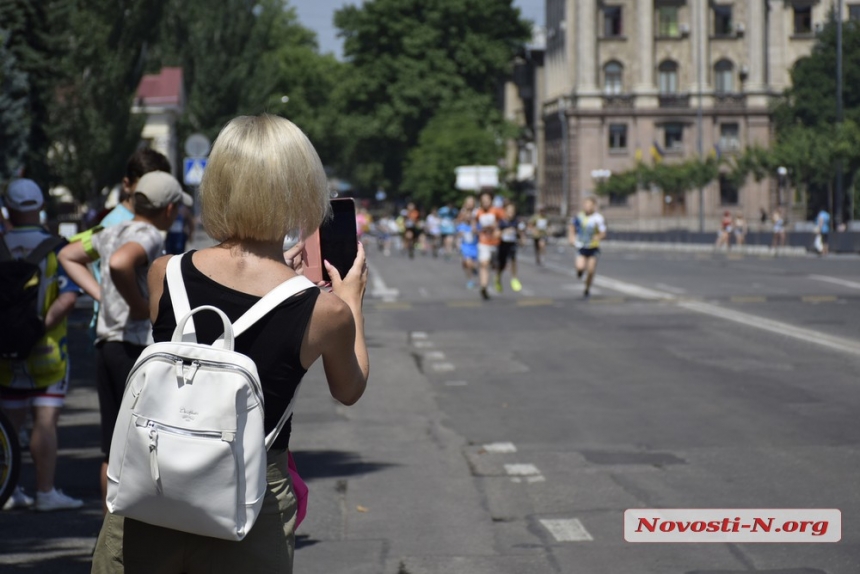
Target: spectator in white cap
(34, 373)
(127, 249)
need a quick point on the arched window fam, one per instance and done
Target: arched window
(668, 77)
(724, 74)
(613, 74)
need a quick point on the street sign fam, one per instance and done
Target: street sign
(192, 172)
(197, 145)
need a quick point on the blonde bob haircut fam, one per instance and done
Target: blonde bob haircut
(264, 180)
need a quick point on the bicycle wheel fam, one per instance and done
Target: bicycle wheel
(10, 459)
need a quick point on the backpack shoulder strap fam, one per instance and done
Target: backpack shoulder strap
(43, 249)
(179, 297)
(270, 438)
(271, 300)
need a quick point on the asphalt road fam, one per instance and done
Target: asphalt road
(510, 435)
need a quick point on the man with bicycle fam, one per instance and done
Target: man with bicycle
(39, 382)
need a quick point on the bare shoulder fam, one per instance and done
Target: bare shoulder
(331, 312)
(159, 268)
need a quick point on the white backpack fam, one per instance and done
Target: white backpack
(189, 450)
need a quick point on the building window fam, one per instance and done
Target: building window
(724, 72)
(803, 20)
(613, 74)
(730, 139)
(854, 12)
(618, 136)
(668, 77)
(728, 192)
(667, 22)
(612, 22)
(723, 20)
(673, 136)
(617, 200)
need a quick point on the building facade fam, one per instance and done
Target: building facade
(629, 80)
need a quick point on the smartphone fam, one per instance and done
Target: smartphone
(336, 241)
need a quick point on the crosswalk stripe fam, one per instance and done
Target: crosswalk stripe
(566, 529)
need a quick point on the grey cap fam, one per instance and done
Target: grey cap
(162, 189)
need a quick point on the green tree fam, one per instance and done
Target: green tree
(241, 57)
(452, 138)
(409, 58)
(92, 127)
(14, 120)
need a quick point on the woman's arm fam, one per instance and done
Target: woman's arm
(337, 330)
(123, 267)
(155, 282)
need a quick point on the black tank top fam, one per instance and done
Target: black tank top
(274, 342)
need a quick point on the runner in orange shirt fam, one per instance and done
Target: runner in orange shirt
(487, 219)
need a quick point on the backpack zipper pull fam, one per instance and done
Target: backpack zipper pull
(153, 459)
(189, 378)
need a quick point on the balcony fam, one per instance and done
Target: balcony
(675, 101)
(730, 101)
(618, 101)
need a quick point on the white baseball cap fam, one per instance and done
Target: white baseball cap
(24, 195)
(162, 189)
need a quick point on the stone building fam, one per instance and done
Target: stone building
(161, 97)
(626, 79)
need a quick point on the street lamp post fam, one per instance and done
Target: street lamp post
(565, 172)
(837, 208)
(781, 172)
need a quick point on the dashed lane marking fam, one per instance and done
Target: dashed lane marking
(419, 335)
(442, 367)
(566, 529)
(423, 344)
(500, 447)
(819, 298)
(520, 469)
(434, 355)
(379, 289)
(456, 383)
(534, 302)
(748, 299)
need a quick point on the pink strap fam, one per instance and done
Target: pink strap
(300, 488)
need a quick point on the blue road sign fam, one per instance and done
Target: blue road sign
(192, 170)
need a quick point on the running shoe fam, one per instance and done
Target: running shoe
(516, 285)
(18, 500)
(498, 286)
(56, 500)
(484, 293)
(586, 294)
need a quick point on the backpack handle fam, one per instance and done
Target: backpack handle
(227, 338)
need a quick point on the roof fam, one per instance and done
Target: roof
(162, 89)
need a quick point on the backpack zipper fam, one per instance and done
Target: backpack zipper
(177, 360)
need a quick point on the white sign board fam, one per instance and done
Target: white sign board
(476, 177)
(197, 145)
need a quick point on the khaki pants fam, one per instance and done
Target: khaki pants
(130, 547)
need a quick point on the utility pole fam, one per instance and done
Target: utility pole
(699, 127)
(837, 208)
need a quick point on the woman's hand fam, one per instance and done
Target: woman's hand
(352, 287)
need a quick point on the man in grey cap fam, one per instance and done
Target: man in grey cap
(38, 380)
(123, 326)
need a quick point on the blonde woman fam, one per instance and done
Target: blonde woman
(263, 181)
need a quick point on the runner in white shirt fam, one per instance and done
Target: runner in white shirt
(585, 232)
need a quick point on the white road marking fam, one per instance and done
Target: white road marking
(380, 289)
(522, 470)
(777, 327)
(566, 529)
(423, 344)
(435, 355)
(836, 281)
(456, 383)
(500, 447)
(423, 292)
(419, 335)
(526, 292)
(533, 479)
(670, 289)
(442, 367)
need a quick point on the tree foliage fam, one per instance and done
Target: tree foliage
(454, 137)
(406, 60)
(14, 119)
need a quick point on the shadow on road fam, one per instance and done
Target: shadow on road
(334, 464)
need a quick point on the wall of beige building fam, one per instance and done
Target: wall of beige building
(762, 49)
